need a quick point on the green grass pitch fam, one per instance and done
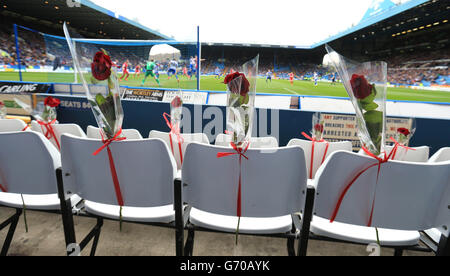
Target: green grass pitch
(210, 83)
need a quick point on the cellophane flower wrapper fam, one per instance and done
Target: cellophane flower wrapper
(366, 86)
(404, 139)
(106, 106)
(317, 127)
(176, 110)
(240, 105)
(41, 112)
(2, 111)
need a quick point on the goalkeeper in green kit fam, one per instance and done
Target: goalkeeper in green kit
(150, 72)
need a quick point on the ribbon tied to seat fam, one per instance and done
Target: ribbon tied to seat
(313, 140)
(381, 161)
(397, 144)
(241, 152)
(49, 132)
(106, 144)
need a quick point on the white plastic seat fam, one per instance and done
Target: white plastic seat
(163, 214)
(145, 170)
(33, 202)
(319, 151)
(59, 129)
(273, 188)
(362, 234)
(415, 154)
(247, 225)
(403, 205)
(131, 134)
(29, 163)
(187, 137)
(442, 155)
(10, 125)
(255, 142)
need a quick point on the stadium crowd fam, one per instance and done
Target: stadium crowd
(425, 68)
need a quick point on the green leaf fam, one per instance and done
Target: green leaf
(373, 116)
(100, 99)
(374, 124)
(369, 106)
(244, 99)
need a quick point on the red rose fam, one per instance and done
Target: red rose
(2, 104)
(52, 102)
(245, 85)
(101, 66)
(176, 102)
(361, 88)
(318, 127)
(403, 131)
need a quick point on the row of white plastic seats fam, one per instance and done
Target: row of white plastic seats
(274, 184)
(418, 154)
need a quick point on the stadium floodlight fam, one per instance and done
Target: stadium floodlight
(162, 52)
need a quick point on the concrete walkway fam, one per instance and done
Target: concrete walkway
(46, 238)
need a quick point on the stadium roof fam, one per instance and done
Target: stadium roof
(88, 18)
(379, 11)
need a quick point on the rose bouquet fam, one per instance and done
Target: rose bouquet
(2, 110)
(176, 110)
(401, 141)
(366, 86)
(45, 115)
(316, 137)
(317, 131)
(403, 134)
(106, 105)
(241, 91)
(174, 124)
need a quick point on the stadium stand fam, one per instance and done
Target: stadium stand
(417, 56)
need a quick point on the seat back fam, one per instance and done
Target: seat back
(255, 142)
(59, 130)
(145, 171)
(131, 134)
(272, 183)
(409, 196)
(28, 162)
(9, 125)
(187, 137)
(441, 155)
(415, 154)
(319, 151)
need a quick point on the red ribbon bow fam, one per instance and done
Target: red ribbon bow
(176, 131)
(112, 167)
(380, 162)
(50, 132)
(241, 152)
(25, 128)
(397, 144)
(312, 151)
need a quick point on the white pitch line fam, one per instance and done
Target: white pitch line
(292, 91)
